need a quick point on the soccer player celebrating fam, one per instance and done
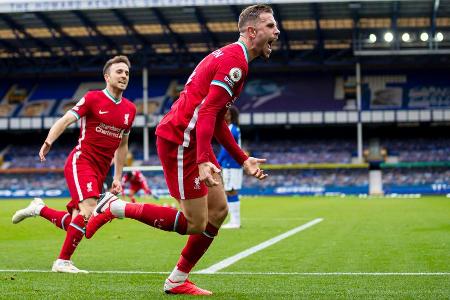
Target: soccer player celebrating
(232, 171)
(137, 182)
(106, 119)
(184, 147)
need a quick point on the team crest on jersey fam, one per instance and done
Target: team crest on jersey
(126, 119)
(235, 74)
(89, 186)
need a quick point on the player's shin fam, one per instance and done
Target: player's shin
(195, 248)
(75, 233)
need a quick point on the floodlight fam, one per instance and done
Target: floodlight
(406, 37)
(388, 37)
(424, 36)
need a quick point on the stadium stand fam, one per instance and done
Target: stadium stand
(262, 93)
(304, 166)
(278, 152)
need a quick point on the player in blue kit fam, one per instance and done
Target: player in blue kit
(231, 171)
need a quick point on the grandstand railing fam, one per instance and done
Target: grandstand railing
(270, 118)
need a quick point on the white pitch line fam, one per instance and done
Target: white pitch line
(254, 273)
(231, 260)
(335, 273)
(93, 272)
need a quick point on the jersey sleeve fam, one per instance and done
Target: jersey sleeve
(223, 135)
(82, 107)
(230, 75)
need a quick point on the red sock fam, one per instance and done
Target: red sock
(196, 246)
(165, 218)
(75, 232)
(132, 199)
(61, 219)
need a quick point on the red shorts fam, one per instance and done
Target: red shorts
(83, 180)
(136, 187)
(181, 169)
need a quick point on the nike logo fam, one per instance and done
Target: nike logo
(103, 112)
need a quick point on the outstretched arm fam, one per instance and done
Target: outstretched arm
(55, 131)
(251, 167)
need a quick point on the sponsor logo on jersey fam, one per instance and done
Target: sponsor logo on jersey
(235, 74)
(102, 112)
(126, 119)
(109, 130)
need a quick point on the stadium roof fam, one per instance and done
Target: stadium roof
(71, 35)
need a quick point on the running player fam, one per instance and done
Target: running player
(137, 182)
(184, 147)
(232, 171)
(106, 119)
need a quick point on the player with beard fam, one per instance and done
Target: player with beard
(105, 123)
(184, 147)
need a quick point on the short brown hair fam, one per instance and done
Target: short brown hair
(251, 14)
(115, 60)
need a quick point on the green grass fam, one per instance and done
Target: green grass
(357, 235)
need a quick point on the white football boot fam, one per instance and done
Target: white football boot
(32, 210)
(66, 266)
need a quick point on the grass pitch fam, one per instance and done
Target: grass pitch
(363, 249)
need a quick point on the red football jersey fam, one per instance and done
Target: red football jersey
(226, 67)
(104, 120)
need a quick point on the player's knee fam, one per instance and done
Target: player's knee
(198, 226)
(219, 213)
(87, 207)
